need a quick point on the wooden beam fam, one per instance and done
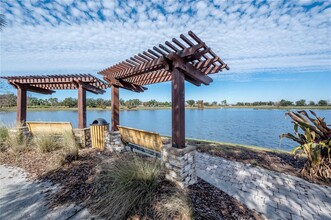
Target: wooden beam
(178, 109)
(190, 50)
(189, 69)
(33, 89)
(90, 88)
(81, 107)
(21, 107)
(115, 108)
(125, 85)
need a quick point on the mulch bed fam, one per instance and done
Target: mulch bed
(211, 203)
(77, 184)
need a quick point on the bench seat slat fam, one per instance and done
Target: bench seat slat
(145, 139)
(51, 127)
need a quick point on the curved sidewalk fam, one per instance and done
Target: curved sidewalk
(275, 195)
(21, 198)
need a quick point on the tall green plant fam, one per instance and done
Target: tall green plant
(4, 135)
(315, 143)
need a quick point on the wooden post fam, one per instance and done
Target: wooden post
(178, 109)
(21, 107)
(115, 108)
(81, 107)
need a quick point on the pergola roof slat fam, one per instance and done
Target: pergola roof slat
(39, 83)
(189, 54)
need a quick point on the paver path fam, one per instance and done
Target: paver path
(275, 195)
(21, 198)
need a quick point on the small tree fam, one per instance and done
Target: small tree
(284, 102)
(322, 103)
(190, 102)
(122, 102)
(312, 103)
(301, 102)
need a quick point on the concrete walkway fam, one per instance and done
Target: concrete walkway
(275, 195)
(21, 198)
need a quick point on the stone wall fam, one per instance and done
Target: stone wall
(180, 164)
(113, 141)
(83, 137)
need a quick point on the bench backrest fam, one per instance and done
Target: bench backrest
(142, 138)
(51, 127)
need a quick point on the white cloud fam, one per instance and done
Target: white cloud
(249, 37)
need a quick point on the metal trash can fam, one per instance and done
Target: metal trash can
(98, 128)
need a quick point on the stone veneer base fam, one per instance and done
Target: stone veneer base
(83, 137)
(180, 164)
(113, 141)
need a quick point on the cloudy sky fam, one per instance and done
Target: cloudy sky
(275, 49)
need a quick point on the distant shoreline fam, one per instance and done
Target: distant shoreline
(10, 109)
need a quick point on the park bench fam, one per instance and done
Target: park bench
(147, 142)
(56, 128)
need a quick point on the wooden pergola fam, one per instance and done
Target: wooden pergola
(46, 84)
(189, 59)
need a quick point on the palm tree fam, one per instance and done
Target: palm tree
(2, 21)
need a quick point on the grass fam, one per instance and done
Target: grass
(4, 134)
(134, 187)
(15, 143)
(46, 142)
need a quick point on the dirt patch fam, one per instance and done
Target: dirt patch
(211, 203)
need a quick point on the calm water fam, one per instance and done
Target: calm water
(243, 126)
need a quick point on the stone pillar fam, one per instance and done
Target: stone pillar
(180, 164)
(113, 141)
(83, 137)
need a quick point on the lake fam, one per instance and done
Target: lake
(243, 126)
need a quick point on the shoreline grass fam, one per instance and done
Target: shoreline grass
(57, 108)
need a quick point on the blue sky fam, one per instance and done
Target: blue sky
(275, 49)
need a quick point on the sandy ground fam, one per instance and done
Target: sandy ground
(22, 198)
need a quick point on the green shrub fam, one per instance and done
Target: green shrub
(135, 186)
(46, 142)
(4, 135)
(16, 142)
(70, 146)
(315, 143)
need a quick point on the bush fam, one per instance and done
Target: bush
(70, 146)
(135, 186)
(315, 143)
(46, 142)
(4, 135)
(16, 142)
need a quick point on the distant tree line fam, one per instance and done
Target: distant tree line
(9, 100)
(283, 102)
